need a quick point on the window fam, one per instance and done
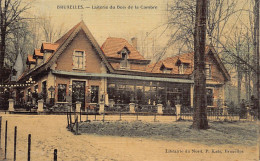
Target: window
(209, 97)
(168, 71)
(79, 60)
(208, 71)
(124, 63)
(181, 70)
(183, 67)
(62, 92)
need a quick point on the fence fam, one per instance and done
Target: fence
(214, 114)
(6, 145)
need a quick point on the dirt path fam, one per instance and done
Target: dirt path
(49, 132)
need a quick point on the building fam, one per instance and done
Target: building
(76, 68)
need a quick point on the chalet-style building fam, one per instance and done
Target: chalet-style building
(78, 69)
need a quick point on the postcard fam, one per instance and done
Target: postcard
(117, 80)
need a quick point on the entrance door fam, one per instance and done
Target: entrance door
(78, 92)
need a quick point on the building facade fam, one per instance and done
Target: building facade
(75, 68)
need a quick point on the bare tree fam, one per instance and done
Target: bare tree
(10, 14)
(49, 30)
(200, 116)
(182, 18)
(256, 52)
(19, 42)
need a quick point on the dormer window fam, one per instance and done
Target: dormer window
(181, 66)
(167, 71)
(124, 64)
(165, 68)
(181, 70)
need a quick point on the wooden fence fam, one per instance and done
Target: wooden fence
(6, 145)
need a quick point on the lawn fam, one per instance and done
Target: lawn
(237, 133)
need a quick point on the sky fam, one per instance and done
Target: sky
(118, 22)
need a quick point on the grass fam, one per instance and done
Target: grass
(239, 133)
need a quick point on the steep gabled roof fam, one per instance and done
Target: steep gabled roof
(112, 46)
(186, 58)
(170, 63)
(211, 49)
(62, 44)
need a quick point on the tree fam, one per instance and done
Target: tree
(256, 52)
(50, 32)
(10, 14)
(182, 18)
(200, 116)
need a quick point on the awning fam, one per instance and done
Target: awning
(118, 76)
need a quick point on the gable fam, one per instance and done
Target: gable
(79, 43)
(63, 43)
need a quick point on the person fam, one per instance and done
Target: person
(243, 109)
(253, 106)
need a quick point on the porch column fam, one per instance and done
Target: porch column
(178, 111)
(191, 95)
(101, 107)
(132, 107)
(40, 106)
(160, 109)
(78, 106)
(11, 105)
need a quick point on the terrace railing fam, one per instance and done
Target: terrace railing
(118, 108)
(146, 108)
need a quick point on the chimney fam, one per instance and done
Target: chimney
(134, 42)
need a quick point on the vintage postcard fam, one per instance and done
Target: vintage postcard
(85, 80)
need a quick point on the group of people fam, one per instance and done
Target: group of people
(252, 108)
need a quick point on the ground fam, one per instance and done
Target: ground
(49, 133)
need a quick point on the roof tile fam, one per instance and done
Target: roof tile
(113, 45)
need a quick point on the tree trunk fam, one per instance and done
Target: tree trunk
(2, 54)
(256, 54)
(200, 116)
(256, 51)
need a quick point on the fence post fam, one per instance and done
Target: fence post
(15, 138)
(29, 147)
(104, 116)
(120, 115)
(5, 138)
(87, 114)
(68, 121)
(154, 117)
(55, 154)
(77, 125)
(80, 114)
